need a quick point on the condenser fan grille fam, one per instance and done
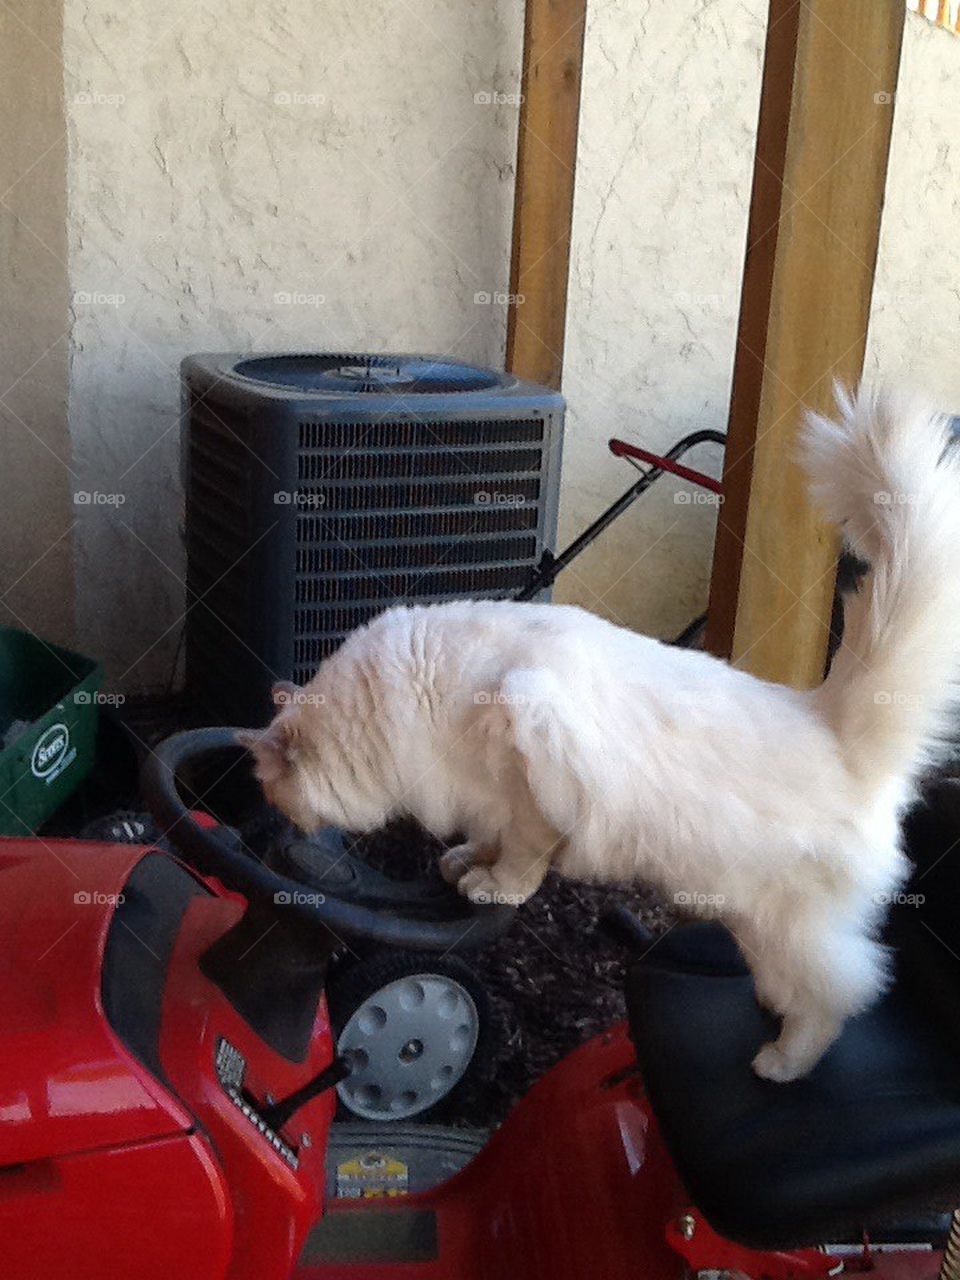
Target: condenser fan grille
(319, 555)
(323, 489)
(423, 473)
(367, 374)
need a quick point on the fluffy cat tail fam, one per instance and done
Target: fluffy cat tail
(888, 474)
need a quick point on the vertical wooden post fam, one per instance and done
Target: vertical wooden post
(543, 204)
(820, 173)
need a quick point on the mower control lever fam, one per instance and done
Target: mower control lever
(282, 1112)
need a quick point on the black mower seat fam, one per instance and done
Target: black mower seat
(877, 1123)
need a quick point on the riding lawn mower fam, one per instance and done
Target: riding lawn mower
(167, 1089)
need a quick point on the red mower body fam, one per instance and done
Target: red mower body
(129, 1149)
(160, 1174)
(144, 1173)
(575, 1184)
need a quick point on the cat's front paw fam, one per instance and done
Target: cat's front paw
(456, 862)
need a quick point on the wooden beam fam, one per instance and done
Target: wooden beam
(543, 202)
(820, 174)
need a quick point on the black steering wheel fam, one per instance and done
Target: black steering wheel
(315, 882)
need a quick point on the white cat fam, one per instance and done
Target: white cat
(553, 738)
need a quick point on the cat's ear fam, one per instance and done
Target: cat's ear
(274, 748)
(284, 692)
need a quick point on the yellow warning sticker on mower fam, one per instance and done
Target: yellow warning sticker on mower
(370, 1175)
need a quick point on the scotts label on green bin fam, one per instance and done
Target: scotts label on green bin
(52, 753)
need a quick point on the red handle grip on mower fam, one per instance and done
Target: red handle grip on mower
(621, 449)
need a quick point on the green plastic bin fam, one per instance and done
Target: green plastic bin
(49, 700)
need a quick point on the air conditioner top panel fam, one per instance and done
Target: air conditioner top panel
(361, 383)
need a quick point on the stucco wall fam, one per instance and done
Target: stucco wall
(321, 175)
(668, 124)
(915, 323)
(666, 152)
(289, 175)
(36, 511)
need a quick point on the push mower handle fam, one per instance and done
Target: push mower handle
(550, 566)
(667, 462)
(269, 893)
